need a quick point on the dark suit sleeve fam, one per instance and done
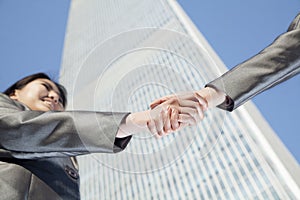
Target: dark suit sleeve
(33, 134)
(273, 65)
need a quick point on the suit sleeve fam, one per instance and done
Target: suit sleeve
(30, 134)
(273, 65)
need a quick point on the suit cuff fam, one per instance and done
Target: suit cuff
(121, 143)
(228, 104)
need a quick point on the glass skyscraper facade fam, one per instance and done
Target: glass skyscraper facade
(121, 55)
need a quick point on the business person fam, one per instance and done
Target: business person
(39, 139)
(273, 65)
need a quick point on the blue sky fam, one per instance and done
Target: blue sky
(32, 35)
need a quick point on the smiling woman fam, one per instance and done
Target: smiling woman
(39, 139)
(38, 92)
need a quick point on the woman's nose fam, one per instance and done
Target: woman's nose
(54, 96)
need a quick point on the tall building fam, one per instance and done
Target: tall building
(121, 55)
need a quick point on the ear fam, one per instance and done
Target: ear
(15, 95)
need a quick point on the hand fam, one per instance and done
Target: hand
(174, 112)
(207, 97)
(171, 113)
(160, 120)
(192, 96)
(186, 102)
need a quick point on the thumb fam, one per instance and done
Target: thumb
(158, 102)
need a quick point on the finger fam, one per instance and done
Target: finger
(174, 97)
(197, 115)
(164, 118)
(187, 119)
(202, 101)
(159, 123)
(156, 103)
(186, 96)
(167, 123)
(174, 119)
(159, 101)
(151, 127)
(193, 105)
(184, 99)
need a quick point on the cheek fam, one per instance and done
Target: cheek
(29, 96)
(32, 97)
(37, 92)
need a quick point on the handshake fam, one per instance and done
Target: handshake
(174, 112)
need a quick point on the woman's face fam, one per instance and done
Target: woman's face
(40, 94)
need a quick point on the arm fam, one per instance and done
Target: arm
(273, 65)
(32, 134)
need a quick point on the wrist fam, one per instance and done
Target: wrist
(138, 121)
(213, 96)
(134, 122)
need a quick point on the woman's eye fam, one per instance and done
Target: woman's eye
(46, 86)
(60, 100)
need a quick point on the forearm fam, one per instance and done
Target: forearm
(275, 64)
(31, 134)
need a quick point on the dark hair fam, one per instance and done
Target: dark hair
(24, 81)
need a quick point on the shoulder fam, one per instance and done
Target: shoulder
(5, 98)
(8, 103)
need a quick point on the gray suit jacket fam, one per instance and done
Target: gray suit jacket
(36, 149)
(276, 63)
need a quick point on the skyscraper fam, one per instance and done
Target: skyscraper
(121, 55)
